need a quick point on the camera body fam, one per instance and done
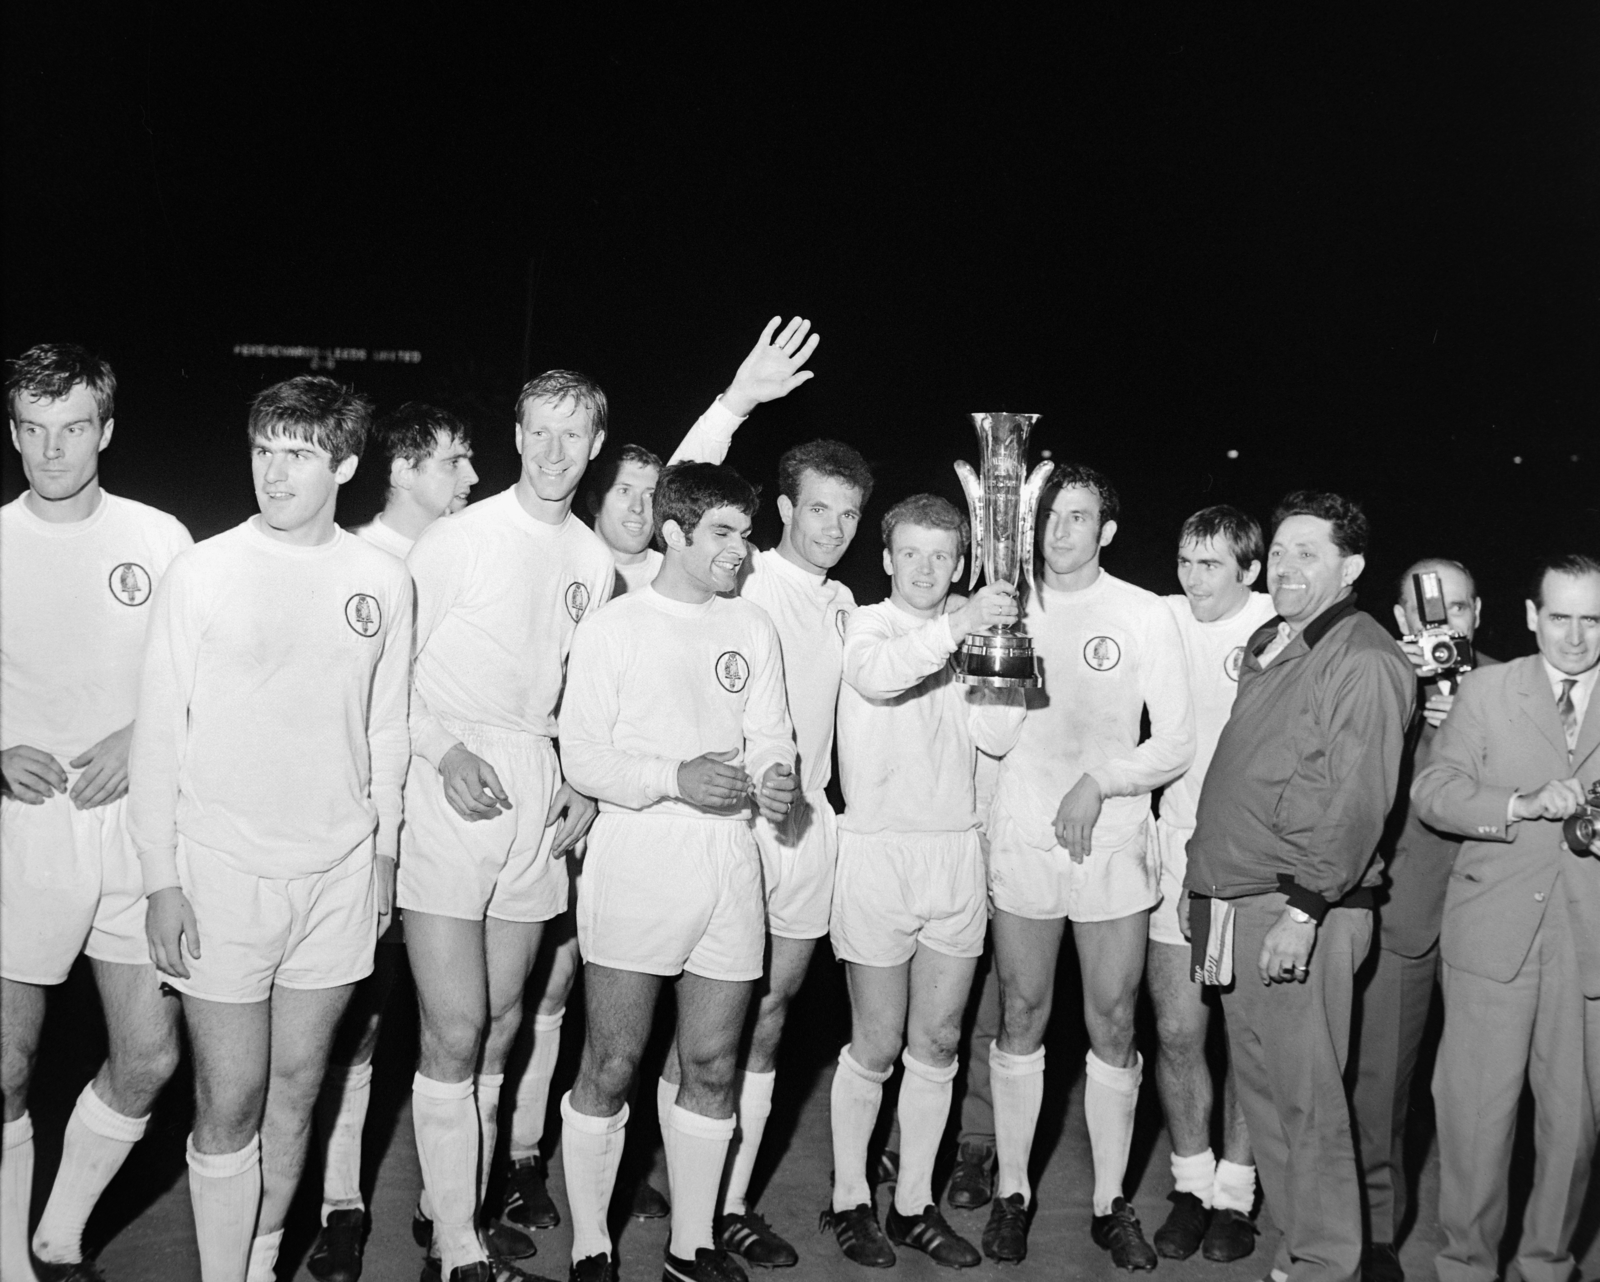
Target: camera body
(1445, 652)
(1582, 826)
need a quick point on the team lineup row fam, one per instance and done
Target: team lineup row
(332, 725)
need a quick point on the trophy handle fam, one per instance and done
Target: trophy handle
(973, 488)
(1032, 488)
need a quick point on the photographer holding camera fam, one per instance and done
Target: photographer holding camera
(1437, 610)
(1520, 938)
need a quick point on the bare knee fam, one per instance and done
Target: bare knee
(605, 1078)
(1024, 1017)
(137, 1071)
(876, 1049)
(450, 1043)
(226, 1115)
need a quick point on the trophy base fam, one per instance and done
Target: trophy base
(998, 659)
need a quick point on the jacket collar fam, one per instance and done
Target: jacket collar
(1312, 632)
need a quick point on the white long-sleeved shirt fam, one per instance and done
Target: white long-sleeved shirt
(1212, 653)
(810, 612)
(632, 577)
(272, 706)
(382, 535)
(654, 682)
(1107, 651)
(499, 596)
(74, 607)
(909, 732)
(709, 439)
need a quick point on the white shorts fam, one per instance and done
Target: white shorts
(1114, 881)
(71, 884)
(498, 867)
(894, 890)
(1172, 847)
(797, 862)
(299, 932)
(660, 894)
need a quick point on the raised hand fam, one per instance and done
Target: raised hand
(772, 369)
(992, 604)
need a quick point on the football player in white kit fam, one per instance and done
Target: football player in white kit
(620, 500)
(428, 452)
(77, 567)
(672, 879)
(1220, 551)
(910, 906)
(266, 770)
(500, 589)
(1069, 839)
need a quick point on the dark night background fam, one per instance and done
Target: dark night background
(1357, 246)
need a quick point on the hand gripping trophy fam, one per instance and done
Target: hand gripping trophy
(1003, 510)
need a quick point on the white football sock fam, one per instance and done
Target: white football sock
(755, 1106)
(852, 1112)
(924, 1109)
(695, 1158)
(1016, 1084)
(446, 1123)
(533, 1088)
(488, 1095)
(666, 1101)
(225, 1191)
(341, 1118)
(264, 1257)
(16, 1188)
(97, 1142)
(1195, 1174)
(1110, 1096)
(1234, 1188)
(591, 1152)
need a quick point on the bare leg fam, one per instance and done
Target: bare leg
(1111, 958)
(1183, 1077)
(449, 967)
(21, 1019)
(786, 972)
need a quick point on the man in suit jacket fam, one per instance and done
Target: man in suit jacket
(1396, 986)
(1521, 935)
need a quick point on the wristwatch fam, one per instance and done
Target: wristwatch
(1301, 916)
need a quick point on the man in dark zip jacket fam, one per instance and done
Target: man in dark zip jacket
(1281, 870)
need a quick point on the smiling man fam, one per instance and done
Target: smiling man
(1516, 755)
(910, 908)
(1219, 557)
(1069, 839)
(675, 719)
(77, 567)
(500, 590)
(1281, 869)
(265, 777)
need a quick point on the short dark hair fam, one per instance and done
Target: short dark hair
(687, 491)
(833, 460)
(311, 407)
(559, 385)
(411, 432)
(1403, 584)
(930, 512)
(49, 371)
(1573, 564)
(1087, 478)
(601, 477)
(1240, 531)
(1349, 522)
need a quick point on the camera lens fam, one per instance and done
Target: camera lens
(1442, 654)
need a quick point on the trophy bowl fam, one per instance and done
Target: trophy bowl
(1004, 506)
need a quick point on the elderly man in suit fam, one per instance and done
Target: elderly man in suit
(1396, 985)
(1521, 934)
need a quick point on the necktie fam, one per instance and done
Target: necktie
(1568, 713)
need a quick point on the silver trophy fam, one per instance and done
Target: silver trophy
(1003, 510)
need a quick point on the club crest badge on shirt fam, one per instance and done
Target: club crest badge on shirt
(363, 615)
(130, 583)
(732, 671)
(1234, 661)
(1102, 653)
(577, 601)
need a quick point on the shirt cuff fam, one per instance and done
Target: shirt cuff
(665, 782)
(1511, 801)
(160, 868)
(431, 743)
(1307, 901)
